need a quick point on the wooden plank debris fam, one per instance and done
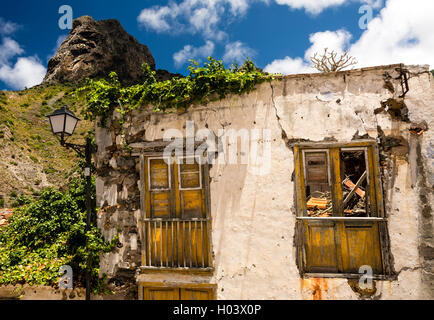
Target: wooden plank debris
(318, 203)
(351, 185)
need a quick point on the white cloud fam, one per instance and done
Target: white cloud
(400, 33)
(154, 18)
(311, 6)
(27, 72)
(289, 65)
(194, 16)
(190, 52)
(7, 27)
(373, 3)
(207, 16)
(239, 6)
(333, 40)
(238, 52)
(317, 6)
(9, 49)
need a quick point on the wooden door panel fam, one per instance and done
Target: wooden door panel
(191, 204)
(160, 204)
(159, 174)
(316, 167)
(361, 246)
(159, 293)
(321, 247)
(196, 294)
(183, 291)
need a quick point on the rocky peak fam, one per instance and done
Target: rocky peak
(95, 48)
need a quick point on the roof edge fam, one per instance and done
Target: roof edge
(352, 71)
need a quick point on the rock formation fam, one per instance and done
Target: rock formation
(95, 48)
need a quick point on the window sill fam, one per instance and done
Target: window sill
(195, 271)
(343, 218)
(347, 276)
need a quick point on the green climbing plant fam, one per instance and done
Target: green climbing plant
(209, 82)
(49, 232)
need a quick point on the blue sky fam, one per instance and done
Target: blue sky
(279, 35)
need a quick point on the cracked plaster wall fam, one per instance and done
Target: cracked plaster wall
(253, 216)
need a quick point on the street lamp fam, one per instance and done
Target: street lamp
(63, 122)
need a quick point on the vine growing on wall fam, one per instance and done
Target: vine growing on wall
(210, 82)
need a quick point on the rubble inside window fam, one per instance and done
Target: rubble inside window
(354, 175)
(355, 189)
(318, 189)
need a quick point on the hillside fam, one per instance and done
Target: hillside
(31, 157)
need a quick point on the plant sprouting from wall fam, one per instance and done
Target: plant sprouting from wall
(332, 61)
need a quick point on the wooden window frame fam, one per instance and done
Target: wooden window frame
(304, 163)
(169, 173)
(334, 149)
(377, 218)
(146, 217)
(200, 162)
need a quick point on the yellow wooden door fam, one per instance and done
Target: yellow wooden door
(321, 247)
(361, 246)
(196, 294)
(342, 246)
(160, 293)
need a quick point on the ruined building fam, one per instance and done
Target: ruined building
(332, 182)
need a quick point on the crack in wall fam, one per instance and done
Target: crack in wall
(284, 135)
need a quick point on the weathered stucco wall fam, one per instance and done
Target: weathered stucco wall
(253, 216)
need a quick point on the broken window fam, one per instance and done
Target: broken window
(176, 218)
(317, 183)
(355, 191)
(340, 225)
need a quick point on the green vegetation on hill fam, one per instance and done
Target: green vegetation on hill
(49, 232)
(31, 157)
(41, 179)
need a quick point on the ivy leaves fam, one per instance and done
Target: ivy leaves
(47, 233)
(210, 82)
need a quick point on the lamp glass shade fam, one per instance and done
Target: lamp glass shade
(70, 124)
(63, 121)
(57, 123)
